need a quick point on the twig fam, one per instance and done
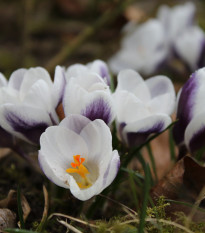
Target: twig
(70, 227)
(45, 211)
(72, 218)
(195, 207)
(73, 45)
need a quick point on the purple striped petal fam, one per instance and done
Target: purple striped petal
(195, 133)
(185, 108)
(201, 60)
(31, 130)
(100, 67)
(25, 122)
(112, 169)
(135, 139)
(98, 109)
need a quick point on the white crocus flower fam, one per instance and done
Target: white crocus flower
(87, 93)
(97, 66)
(77, 155)
(176, 19)
(6, 139)
(190, 46)
(29, 101)
(142, 107)
(142, 50)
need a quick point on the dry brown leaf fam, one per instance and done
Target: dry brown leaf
(7, 219)
(4, 152)
(11, 202)
(183, 183)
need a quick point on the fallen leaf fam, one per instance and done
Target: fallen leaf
(11, 202)
(183, 184)
(7, 219)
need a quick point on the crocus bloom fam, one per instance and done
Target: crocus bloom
(190, 128)
(176, 19)
(139, 52)
(97, 66)
(77, 155)
(142, 107)
(190, 47)
(6, 139)
(29, 101)
(87, 93)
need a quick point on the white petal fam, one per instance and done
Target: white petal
(24, 121)
(56, 174)
(162, 104)
(112, 169)
(16, 78)
(94, 105)
(100, 67)
(152, 124)
(162, 94)
(58, 85)
(85, 194)
(76, 71)
(31, 76)
(75, 122)
(106, 176)
(195, 132)
(189, 45)
(3, 80)
(159, 85)
(70, 144)
(129, 108)
(131, 81)
(59, 145)
(39, 95)
(94, 134)
(139, 52)
(198, 90)
(176, 19)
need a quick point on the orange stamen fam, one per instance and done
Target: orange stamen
(78, 167)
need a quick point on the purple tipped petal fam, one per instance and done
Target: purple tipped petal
(195, 133)
(135, 139)
(185, 108)
(201, 61)
(104, 74)
(197, 140)
(98, 109)
(31, 130)
(112, 169)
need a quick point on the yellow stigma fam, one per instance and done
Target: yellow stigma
(81, 170)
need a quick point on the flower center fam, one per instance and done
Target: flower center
(81, 170)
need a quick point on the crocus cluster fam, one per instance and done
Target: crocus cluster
(71, 119)
(151, 45)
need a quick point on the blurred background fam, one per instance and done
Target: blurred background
(62, 32)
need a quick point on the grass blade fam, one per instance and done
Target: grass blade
(16, 230)
(146, 190)
(20, 211)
